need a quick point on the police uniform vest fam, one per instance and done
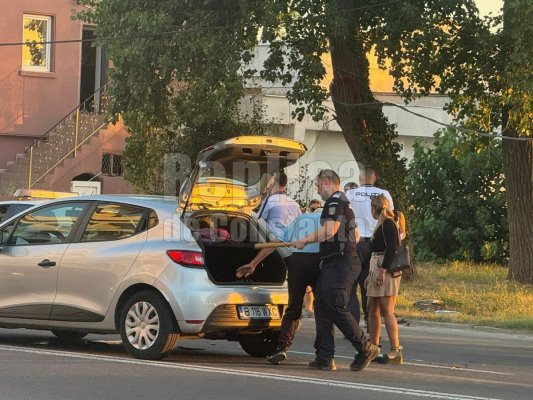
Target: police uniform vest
(338, 208)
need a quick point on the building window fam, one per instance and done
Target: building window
(112, 164)
(106, 163)
(36, 56)
(117, 164)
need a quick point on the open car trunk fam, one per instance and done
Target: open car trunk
(227, 241)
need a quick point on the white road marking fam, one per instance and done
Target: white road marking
(458, 368)
(257, 375)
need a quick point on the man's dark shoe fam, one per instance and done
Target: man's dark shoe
(362, 360)
(324, 365)
(277, 357)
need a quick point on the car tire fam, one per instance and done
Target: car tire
(69, 336)
(147, 326)
(260, 345)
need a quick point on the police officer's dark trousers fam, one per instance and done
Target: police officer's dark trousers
(303, 271)
(337, 277)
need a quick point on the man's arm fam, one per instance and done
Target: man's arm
(325, 232)
(246, 270)
(266, 210)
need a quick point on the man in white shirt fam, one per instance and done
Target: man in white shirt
(280, 210)
(360, 199)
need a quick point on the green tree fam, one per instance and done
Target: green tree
(196, 75)
(177, 76)
(457, 195)
(417, 38)
(440, 45)
(490, 81)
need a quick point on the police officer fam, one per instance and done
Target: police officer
(360, 198)
(339, 270)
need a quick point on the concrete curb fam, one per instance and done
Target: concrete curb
(458, 326)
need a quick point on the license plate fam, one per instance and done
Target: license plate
(258, 312)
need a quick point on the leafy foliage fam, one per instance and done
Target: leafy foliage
(180, 65)
(145, 151)
(193, 79)
(177, 76)
(458, 199)
(298, 188)
(490, 82)
(494, 78)
(415, 39)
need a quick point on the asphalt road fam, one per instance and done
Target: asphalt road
(442, 362)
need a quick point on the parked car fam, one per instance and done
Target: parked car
(138, 266)
(13, 207)
(26, 198)
(33, 194)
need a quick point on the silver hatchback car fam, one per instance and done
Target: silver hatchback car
(138, 266)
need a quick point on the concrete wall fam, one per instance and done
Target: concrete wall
(324, 138)
(11, 145)
(326, 144)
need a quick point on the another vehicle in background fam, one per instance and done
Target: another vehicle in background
(33, 194)
(14, 207)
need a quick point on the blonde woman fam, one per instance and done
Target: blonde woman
(382, 288)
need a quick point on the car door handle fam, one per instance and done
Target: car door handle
(46, 263)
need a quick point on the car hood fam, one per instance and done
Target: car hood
(235, 174)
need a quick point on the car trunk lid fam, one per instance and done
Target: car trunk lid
(235, 174)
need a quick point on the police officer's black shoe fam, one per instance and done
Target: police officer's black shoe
(362, 360)
(324, 365)
(277, 357)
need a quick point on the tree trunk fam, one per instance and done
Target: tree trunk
(351, 85)
(518, 170)
(517, 167)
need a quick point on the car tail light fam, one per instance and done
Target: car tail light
(187, 258)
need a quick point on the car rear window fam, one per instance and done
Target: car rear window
(114, 222)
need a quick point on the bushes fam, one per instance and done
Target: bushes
(458, 208)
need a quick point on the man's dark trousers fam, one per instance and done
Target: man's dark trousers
(337, 277)
(303, 271)
(364, 254)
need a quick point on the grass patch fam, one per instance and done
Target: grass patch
(479, 292)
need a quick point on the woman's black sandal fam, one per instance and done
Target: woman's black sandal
(385, 359)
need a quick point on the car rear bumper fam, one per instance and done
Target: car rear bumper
(203, 308)
(224, 322)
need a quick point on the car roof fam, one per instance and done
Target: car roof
(164, 205)
(15, 202)
(150, 201)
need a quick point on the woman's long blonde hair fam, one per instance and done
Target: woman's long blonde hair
(382, 206)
